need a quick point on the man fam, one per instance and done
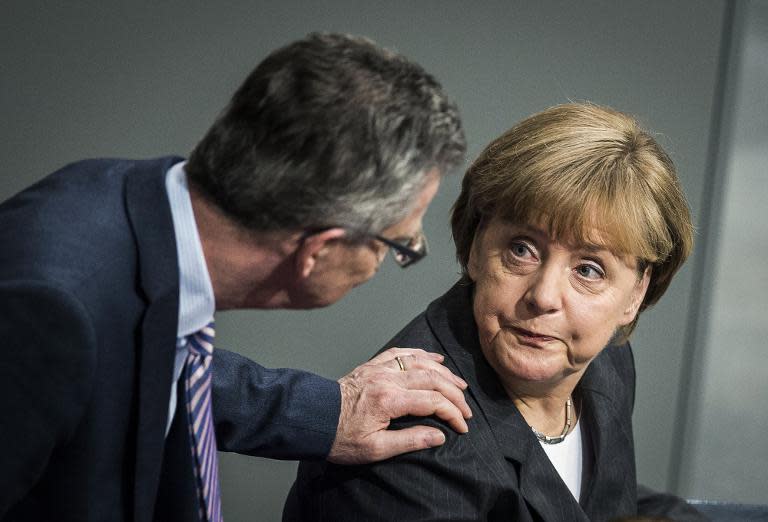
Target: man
(111, 270)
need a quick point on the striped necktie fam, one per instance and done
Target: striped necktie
(198, 392)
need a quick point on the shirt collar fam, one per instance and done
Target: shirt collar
(196, 299)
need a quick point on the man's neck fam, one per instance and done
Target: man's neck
(247, 269)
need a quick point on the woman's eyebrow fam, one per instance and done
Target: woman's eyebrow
(527, 228)
(589, 246)
(594, 248)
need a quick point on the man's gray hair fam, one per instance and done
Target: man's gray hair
(330, 130)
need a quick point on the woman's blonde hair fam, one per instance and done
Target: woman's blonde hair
(578, 169)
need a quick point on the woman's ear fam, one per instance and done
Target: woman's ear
(314, 247)
(473, 266)
(638, 294)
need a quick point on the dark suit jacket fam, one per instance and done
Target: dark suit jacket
(89, 291)
(497, 471)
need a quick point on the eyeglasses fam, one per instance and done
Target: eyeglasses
(407, 251)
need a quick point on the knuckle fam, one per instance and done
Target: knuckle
(385, 400)
(431, 377)
(435, 374)
(450, 396)
(377, 449)
(437, 399)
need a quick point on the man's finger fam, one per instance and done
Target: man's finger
(415, 363)
(432, 379)
(389, 443)
(399, 363)
(423, 403)
(391, 353)
(404, 359)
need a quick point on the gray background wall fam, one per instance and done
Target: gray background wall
(725, 436)
(107, 78)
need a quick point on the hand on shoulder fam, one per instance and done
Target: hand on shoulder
(395, 383)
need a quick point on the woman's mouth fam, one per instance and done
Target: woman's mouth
(530, 337)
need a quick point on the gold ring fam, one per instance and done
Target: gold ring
(400, 363)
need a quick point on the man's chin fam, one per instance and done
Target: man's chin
(309, 302)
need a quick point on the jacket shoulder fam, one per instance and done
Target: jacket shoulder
(416, 334)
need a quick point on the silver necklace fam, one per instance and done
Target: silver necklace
(559, 438)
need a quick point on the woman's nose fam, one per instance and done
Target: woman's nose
(545, 291)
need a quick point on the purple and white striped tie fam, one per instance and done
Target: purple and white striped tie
(198, 391)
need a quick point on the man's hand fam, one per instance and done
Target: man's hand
(381, 390)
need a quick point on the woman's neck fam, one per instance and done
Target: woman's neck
(544, 409)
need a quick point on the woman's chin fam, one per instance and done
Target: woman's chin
(537, 367)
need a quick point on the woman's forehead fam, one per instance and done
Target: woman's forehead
(582, 236)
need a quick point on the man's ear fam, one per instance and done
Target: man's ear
(313, 247)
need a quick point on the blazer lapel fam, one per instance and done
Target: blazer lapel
(453, 323)
(150, 216)
(611, 487)
(538, 481)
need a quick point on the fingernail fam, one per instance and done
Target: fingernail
(435, 439)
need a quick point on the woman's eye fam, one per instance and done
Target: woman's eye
(589, 272)
(520, 249)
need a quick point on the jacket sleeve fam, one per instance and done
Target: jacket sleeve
(274, 413)
(652, 503)
(48, 359)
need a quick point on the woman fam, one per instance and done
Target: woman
(567, 227)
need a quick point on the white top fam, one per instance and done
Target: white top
(567, 458)
(196, 299)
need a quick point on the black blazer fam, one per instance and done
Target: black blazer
(497, 471)
(89, 289)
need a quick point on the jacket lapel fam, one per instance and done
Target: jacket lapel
(150, 216)
(453, 323)
(611, 487)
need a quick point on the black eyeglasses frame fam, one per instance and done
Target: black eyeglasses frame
(410, 255)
